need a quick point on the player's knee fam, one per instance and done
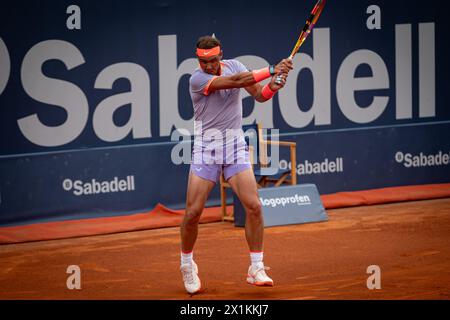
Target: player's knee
(192, 214)
(254, 208)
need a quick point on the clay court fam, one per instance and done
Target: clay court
(409, 241)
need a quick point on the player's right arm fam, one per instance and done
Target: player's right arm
(238, 80)
(262, 94)
(247, 78)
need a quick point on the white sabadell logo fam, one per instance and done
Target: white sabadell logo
(307, 168)
(300, 200)
(422, 160)
(96, 187)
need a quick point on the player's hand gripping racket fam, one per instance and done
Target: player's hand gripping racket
(310, 23)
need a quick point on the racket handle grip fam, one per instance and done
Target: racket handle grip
(278, 80)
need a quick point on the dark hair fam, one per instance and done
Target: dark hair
(207, 42)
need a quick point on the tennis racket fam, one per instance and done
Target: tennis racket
(310, 23)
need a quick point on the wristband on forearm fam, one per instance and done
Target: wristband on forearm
(267, 93)
(264, 73)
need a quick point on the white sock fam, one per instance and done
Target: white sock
(257, 259)
(186, 258)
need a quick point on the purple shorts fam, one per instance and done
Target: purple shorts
(212, 172)
(210, 165)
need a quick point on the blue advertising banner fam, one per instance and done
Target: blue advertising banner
(91, 93)
(285, 205)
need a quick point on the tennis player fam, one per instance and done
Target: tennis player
(215, 92)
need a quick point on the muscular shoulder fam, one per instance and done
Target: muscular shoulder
(197, 75)
(198, 80)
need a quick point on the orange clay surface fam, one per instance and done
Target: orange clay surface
(409, 241)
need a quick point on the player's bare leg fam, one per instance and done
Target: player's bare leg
(197, 194)
(244, 185)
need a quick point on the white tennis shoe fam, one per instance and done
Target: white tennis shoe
(190, 277)
(257, 276)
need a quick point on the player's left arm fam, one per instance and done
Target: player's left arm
(262, 94)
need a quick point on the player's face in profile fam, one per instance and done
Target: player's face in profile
(210, 65)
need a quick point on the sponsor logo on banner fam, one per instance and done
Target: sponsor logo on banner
(81, 188)
(55, 91)
(298, 199)
(422, 160)
(307, 167)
